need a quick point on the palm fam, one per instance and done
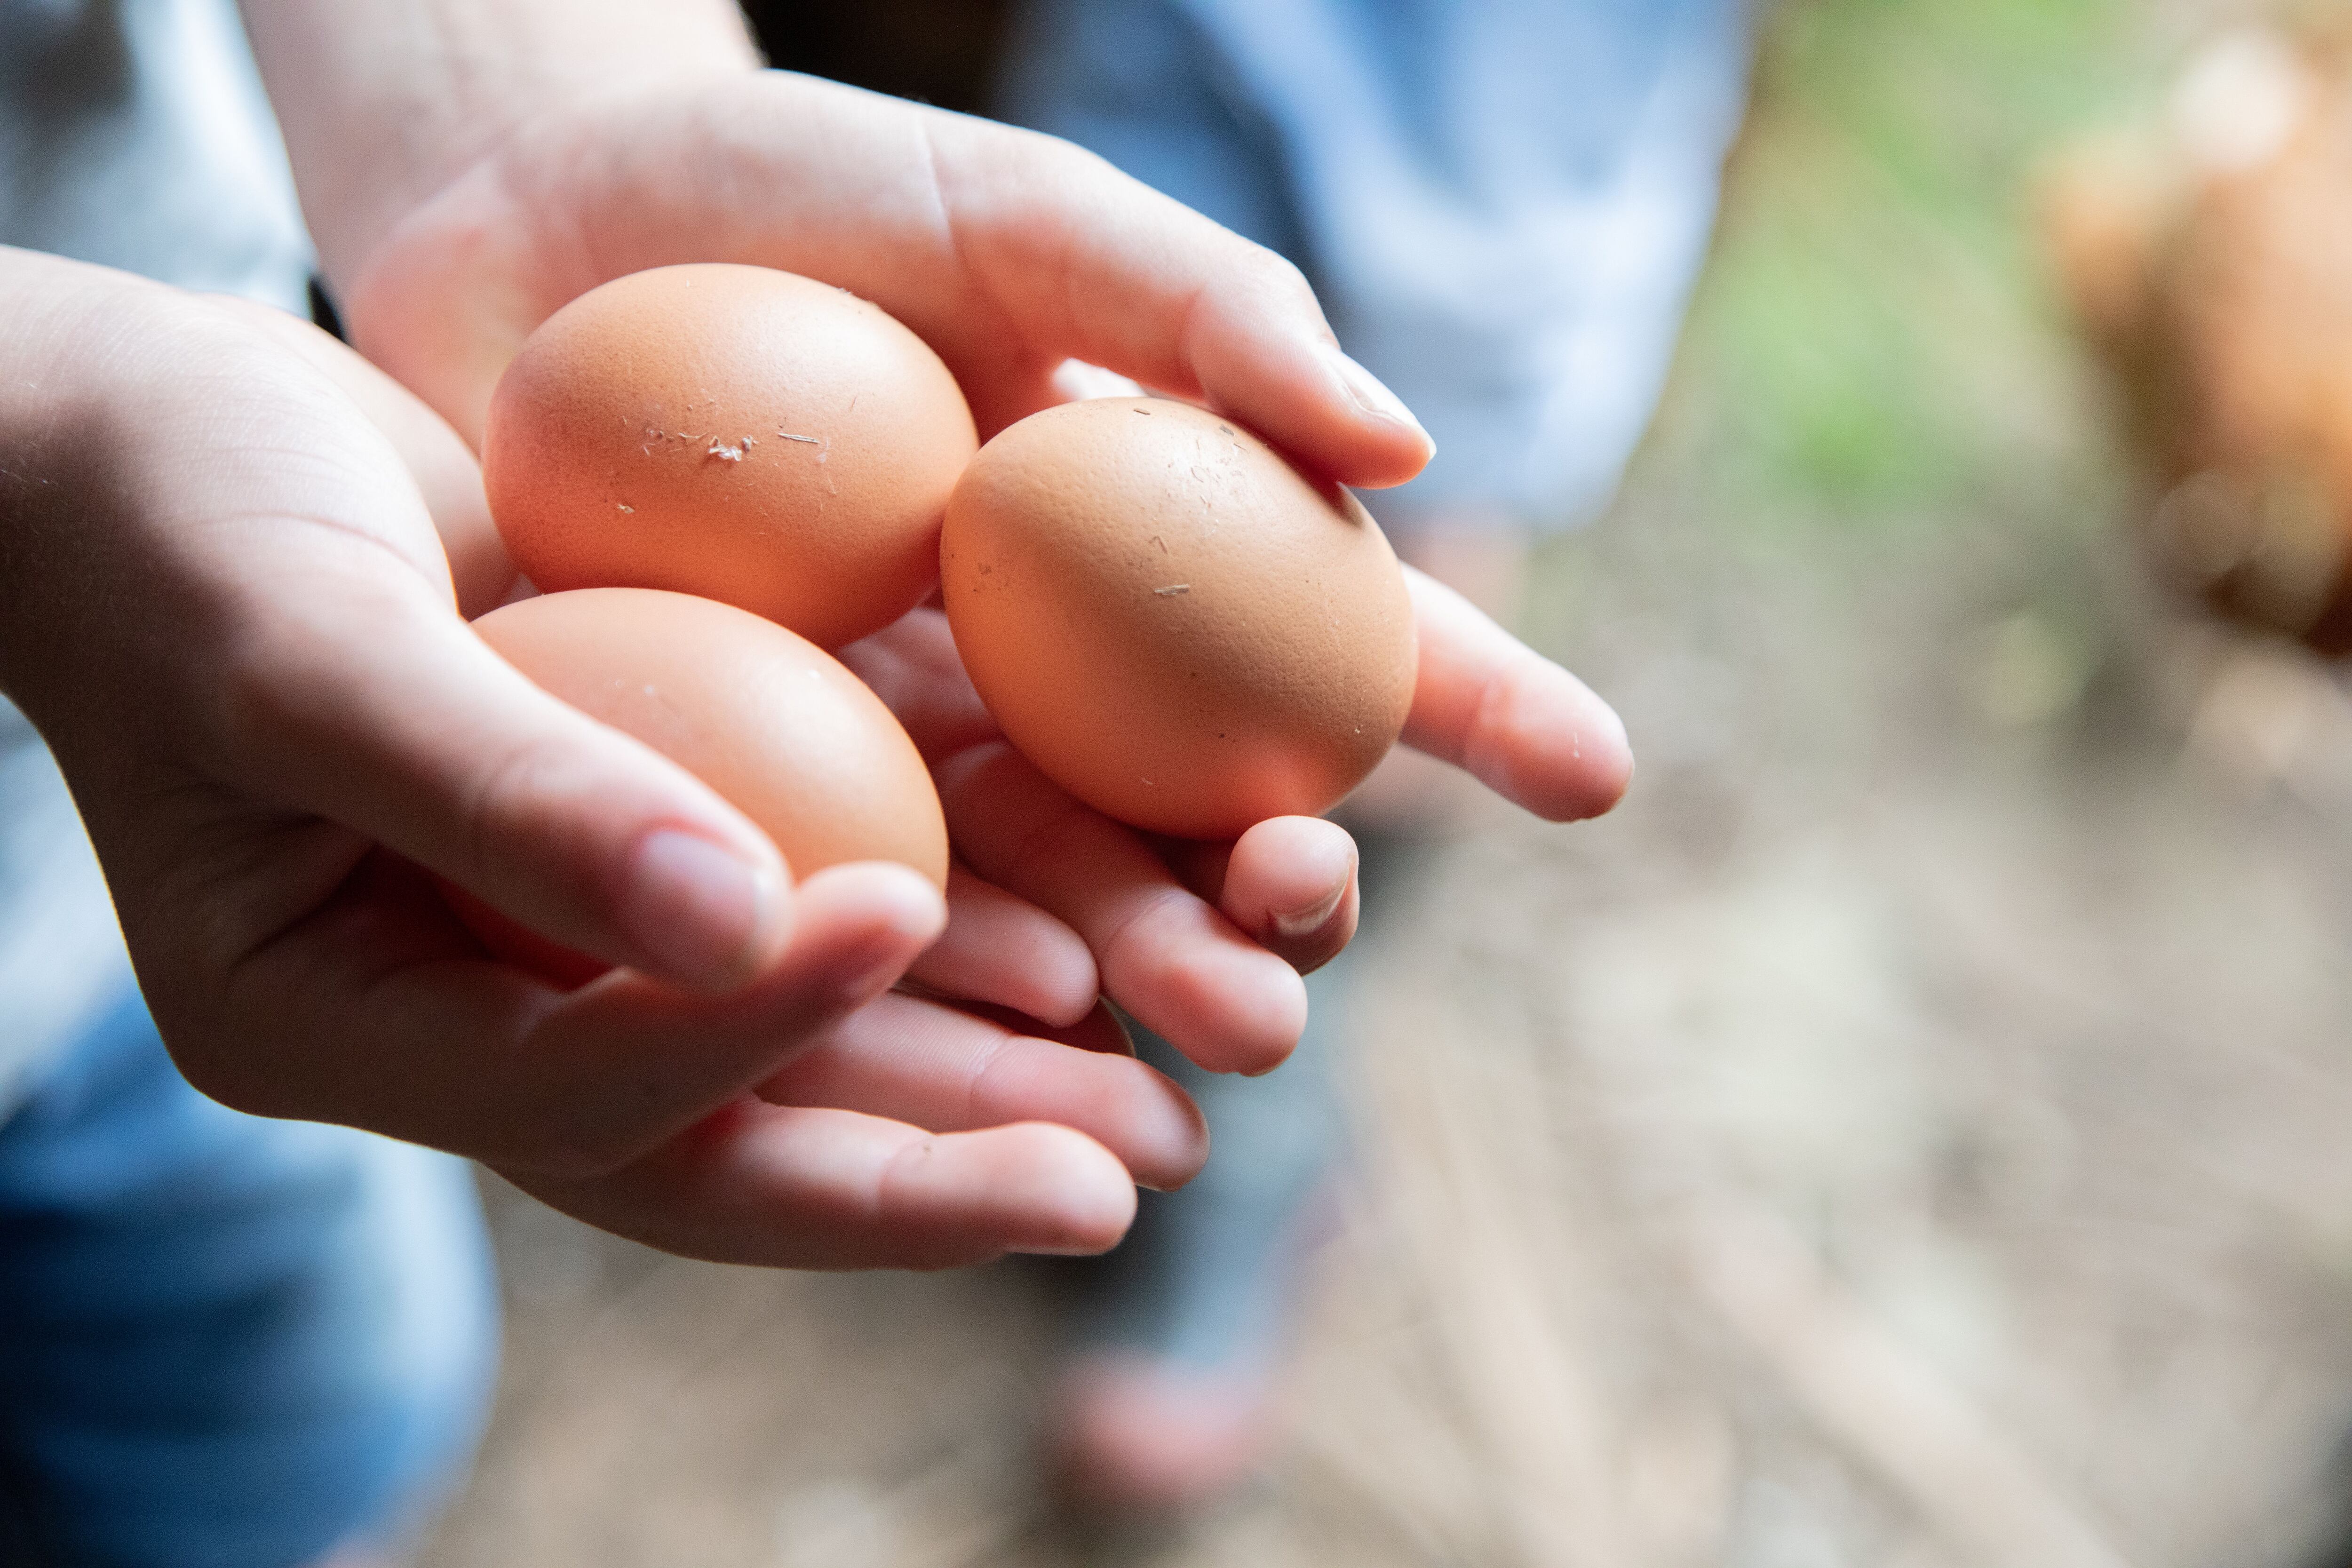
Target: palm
(299, 726)
(574, 201)
(1011, 254)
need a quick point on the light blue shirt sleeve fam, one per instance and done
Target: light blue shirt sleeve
(1502, 203)
(134, 134)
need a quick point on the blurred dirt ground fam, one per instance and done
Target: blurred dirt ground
(1915, 1130)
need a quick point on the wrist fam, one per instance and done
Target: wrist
(386, 105)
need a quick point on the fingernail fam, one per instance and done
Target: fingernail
(914, 924)
(880, 971)
(1366, 391)
(1062, 1248)
(697, 909)
(1310, 919)
(877, 975)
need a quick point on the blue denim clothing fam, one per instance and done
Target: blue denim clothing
(224, 1342)
(134, 134)
(1503, 204)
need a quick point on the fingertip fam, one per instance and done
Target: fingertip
(1565, 755)
(1518, 722)
(1331, 418)
(1233, 1006)
(1288, 874)
(1140, 1114)
(872, 919)
(702, 915)
(1057, 982)
(911, 902)
(882, 893)
(854, 929)
(1391, 446)
(1613, 761)
(1066, 1001)
(1264, 354)
(1075, 1198)
(1006, 952)
(1171, 1138)
(1290, 883)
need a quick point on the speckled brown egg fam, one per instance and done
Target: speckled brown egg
(775, 724)
(734, 432)
(1171, 621)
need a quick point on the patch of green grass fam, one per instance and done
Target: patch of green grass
(1876, 338)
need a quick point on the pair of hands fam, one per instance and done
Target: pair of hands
(231, 574)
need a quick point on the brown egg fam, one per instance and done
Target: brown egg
(1171, 621)
(734, 432)
(784, 732)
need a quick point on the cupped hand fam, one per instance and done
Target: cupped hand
(1018, 257)
(226, 604)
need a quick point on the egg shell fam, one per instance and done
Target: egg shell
(1172, 622)
(735, 431)
(771, 721)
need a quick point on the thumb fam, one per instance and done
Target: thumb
(389, 715)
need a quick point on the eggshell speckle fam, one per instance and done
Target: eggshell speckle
(1171, 621)
(735, 431)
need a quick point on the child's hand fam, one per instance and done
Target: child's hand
(223, 599)
(1013, 254)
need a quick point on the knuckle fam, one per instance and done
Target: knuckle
(1284, 276)
(985, 1079)
(1267, 277)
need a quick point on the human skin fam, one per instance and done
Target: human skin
(583, 144)
(226, 609)
(224, 600)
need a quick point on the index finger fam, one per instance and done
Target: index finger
(1091, 264)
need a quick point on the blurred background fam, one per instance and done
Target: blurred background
(1915, 1130)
